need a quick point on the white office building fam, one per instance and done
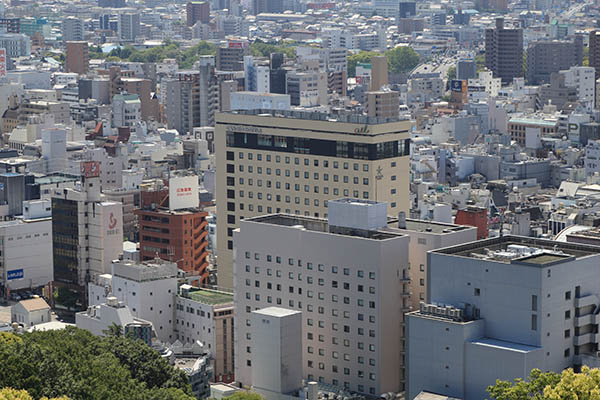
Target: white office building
(584, 80)
(16, 44)
(26, 256)
(148, 289)
(498, 308)
(344, 274)
(259, 101)
(72, 29)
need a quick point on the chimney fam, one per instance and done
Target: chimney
(401, 220)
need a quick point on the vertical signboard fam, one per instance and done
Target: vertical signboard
(2, 63)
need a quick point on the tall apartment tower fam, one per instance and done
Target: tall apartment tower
(345, 274)
(129, 26)
(546, 57)
(197, 11)
(497, 308)
(87, 234)
(72, 29)
(295, 162)
(192, 99)
(595, 49)
(78, 59)
(379, 72)
(504, 51)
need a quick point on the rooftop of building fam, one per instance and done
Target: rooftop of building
(209, 296)
(317, 116)
(146, 271)
(521, 250)
(321, 225)
(533, 121)
(416, 225)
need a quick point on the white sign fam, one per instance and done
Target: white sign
(183, 192)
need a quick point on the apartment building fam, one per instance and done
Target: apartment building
(426, 236)
(548, 56)
(295, 162)
(197, 11)
(504, 51)
(129, 26)
(192, 98)
(498, 308)
(382, 104)
(78, 59)
(344, 274)
(206, 315)
(72, 29)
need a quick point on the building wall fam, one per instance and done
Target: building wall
(348, 289)
(27, 246)
(311, 178)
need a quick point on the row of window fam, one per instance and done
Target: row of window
(305, 161)
(288, 173)
(319, 147)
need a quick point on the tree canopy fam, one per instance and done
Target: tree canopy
(78, 365)
(14, 394)
(400, 59)
(550, 386)
(185, 57)
(258, 48)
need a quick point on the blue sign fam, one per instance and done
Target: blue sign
(456, 85)
(15, 274)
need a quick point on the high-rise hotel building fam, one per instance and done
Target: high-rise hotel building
(294, 162)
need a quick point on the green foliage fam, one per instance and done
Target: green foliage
(185, 58)
(76, 364)
(532, 388)
(360, 57)
(7, 339)
(480, 62)
(402, 59)
(66, 298)
(244, 396)
(261, 49)
(451, 73)
(96, 52)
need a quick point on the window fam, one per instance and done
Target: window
(568, 295)
(567, 333)
(533, 302)
(534, 322)
(568, 314)
(477, 292)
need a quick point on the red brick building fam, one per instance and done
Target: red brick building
(179, 236)
(474, 216)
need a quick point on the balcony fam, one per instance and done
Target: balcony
(584, 339)
(584, 320)
(585, 301)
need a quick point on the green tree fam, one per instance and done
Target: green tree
(15, 394)
(532, 388)
(480, 62)
(360, 57)
(402, 59)
(451, 74)
(76, 364)
(244, 396)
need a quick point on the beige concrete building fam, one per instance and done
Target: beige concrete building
(295, 162)
(382, 104)
(379, 72)
(345, 274)
(426, 236)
